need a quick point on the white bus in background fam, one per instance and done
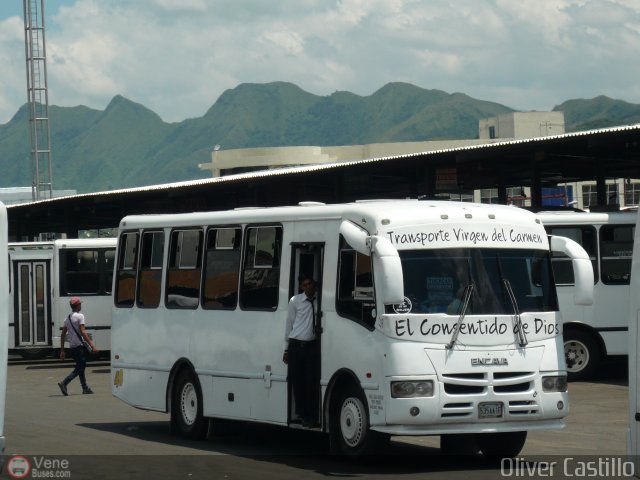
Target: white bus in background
(594, 332)
(435, 318)
(4, 323)
(633, 432)
(44, 276)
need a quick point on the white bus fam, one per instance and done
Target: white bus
(591, 333)
(44, 276)
(200, 304)
(4, 322)
(633, 432)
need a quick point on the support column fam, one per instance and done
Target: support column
(429, 181)
(536, 183)
(601, 185)
(502, 192)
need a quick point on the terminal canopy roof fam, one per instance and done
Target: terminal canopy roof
(537, 163)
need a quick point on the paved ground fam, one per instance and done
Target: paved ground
(104, 438)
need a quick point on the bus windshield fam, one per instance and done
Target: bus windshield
(435, 281)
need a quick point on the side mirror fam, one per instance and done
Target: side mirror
(387, 271)
(355, 236)
(387, 267)
(582, 268)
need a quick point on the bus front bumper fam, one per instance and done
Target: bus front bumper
(443, 429)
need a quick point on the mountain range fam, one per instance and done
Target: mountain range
(126, 144)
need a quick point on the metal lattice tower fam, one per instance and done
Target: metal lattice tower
(38, 99)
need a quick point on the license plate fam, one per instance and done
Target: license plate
(490, 410)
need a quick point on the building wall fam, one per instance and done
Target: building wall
(522, 125)
(247, 159)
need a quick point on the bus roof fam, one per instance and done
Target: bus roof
(370, 214)
(590, 218)
(69, 243)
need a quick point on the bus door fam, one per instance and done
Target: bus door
(307, 259)
(33, 302)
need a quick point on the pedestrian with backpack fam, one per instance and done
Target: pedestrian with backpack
(75, 333)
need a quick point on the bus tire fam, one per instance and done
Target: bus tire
(34, 353)
(582, 354)
(186, 407)
(501, 444)
(349, 432)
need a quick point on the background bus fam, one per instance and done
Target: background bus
(4, 323)
(593, 332)
(44, 275)
(200, 304)
(633, 432)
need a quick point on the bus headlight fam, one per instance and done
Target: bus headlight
(422, 388)
(557, 383)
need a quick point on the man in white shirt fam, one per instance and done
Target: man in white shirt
(300, 350)
(75, 328)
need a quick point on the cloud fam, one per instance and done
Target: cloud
(290, 42)
(196, 6)
(13, 89)
(178, 57)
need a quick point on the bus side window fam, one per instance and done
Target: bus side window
(616, 249)
(261, 269)
(79, 272)
(221, 268)
(183, 276)
(126, 275)
(562, 266)
(150, 278)
(108, 266)
(562, 269)
(355, 299)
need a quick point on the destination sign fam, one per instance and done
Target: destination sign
(438, 236)
(474, 329)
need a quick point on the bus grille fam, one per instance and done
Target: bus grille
(513, 382)
(473, 383)
(462, 409)
(523, 407)
(457, 389)
(476, 383)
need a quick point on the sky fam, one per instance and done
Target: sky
(177, 57)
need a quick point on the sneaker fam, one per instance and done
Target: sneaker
(87, 391)
(63, 389)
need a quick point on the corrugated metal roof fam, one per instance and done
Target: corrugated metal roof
(326, 166)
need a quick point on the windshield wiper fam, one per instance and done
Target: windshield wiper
(522, 337)
(468, 291)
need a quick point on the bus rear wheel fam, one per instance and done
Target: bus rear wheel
(582, 354)
(186, 407)
(501, 444)
(34, 353)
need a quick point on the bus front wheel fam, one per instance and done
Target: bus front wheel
(349, 427)
(186, 407)
(501, 444)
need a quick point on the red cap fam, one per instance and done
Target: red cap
(75, 301)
